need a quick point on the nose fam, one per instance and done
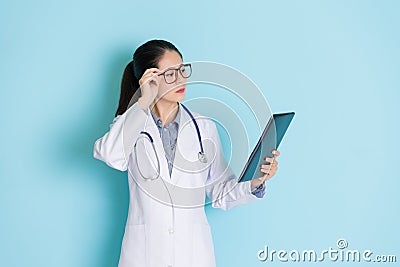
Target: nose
(180, 80)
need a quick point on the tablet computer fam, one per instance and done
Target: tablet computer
(269, 140)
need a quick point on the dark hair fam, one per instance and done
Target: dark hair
(146, 56)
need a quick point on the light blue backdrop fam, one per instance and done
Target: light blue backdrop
(336, 63)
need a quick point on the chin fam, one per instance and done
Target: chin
(178, 97)
(174, 99)
(181, 98)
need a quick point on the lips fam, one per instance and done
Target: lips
(180, 91)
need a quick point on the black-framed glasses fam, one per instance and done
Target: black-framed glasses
(171, 74)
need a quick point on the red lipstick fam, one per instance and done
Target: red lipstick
(180, 91)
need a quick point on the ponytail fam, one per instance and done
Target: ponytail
(129, 86)
(146, 56)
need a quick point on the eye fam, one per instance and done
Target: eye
(169, 73)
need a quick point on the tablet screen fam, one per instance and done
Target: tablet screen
(269, 140)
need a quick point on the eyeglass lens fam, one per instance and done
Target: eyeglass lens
(172, 75)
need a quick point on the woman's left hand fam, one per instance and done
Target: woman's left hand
(268, 169)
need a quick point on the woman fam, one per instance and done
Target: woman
(153, 235)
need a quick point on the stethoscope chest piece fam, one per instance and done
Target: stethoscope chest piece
(202, 157)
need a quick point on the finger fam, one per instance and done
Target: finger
(268, 167)
(268, 164)
(276, 153)
(151, 70)
(269, 160)
(147, 76)
(148, 79)
(150, 74)
(268, 170)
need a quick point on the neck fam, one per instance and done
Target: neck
(166, 111)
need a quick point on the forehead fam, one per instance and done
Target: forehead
(169, 59)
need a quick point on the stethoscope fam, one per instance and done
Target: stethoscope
(201, 155)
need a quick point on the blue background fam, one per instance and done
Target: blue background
(335, 63)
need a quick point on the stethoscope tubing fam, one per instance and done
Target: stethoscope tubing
(201, 155)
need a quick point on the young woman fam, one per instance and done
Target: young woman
(169, 227)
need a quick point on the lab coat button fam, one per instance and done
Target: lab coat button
(169, 265)
(171, 230)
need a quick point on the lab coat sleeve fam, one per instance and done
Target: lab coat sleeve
(222, 187)
(260, 190)
(115, 147)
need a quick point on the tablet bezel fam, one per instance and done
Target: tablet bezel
(267, 127)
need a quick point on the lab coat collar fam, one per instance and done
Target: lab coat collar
(187, 136)
(158, 121)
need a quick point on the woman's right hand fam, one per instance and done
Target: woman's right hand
(149, 83)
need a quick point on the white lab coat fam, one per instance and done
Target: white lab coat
(156, 234)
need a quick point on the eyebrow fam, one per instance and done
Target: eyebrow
(172, 68)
